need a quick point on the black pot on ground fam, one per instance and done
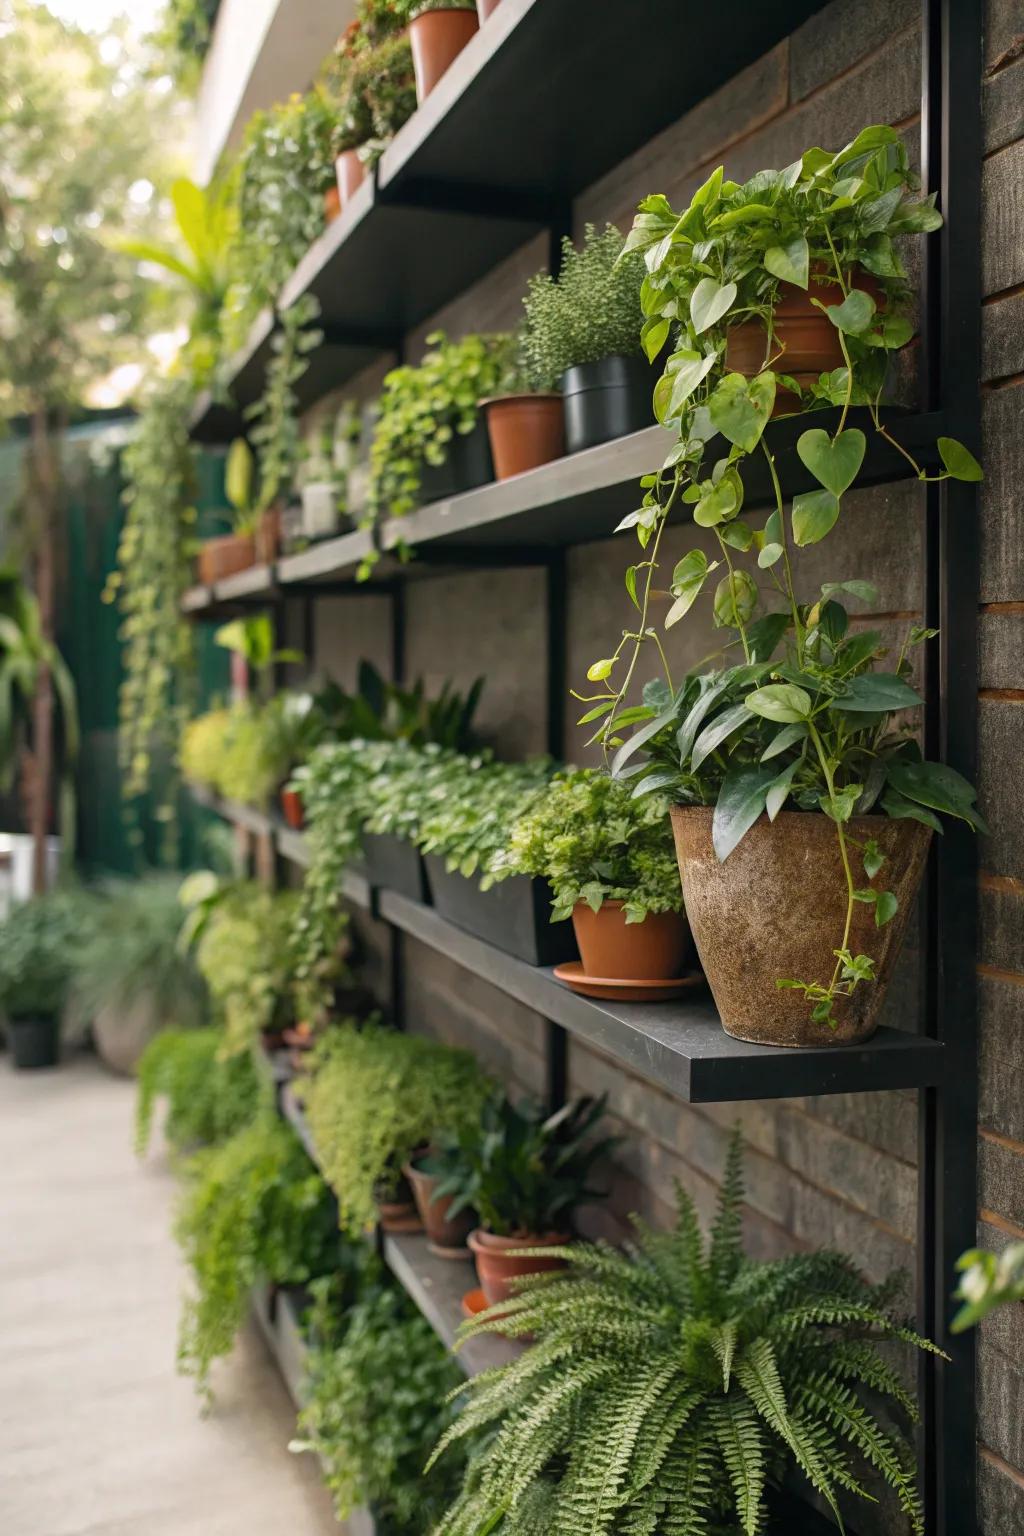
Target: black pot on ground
(467, 464)
(396, 865)
(514, 916)
(606, 400)
(35, 1043)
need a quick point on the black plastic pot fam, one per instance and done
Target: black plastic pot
(35, 1043)
(396, 865)
(468, 463)
(514, 916)
(606, 400)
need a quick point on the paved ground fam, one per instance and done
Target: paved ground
(98, 1434)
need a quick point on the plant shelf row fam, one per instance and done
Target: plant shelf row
(453, 197)
(573, 500)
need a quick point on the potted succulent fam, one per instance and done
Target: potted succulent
(680, 1383)
(525, 417)
(588, 320)
(611, 865)
(229, 553)
(525, 1173)
(429, 441)
(464, 828)
(438, 31)
(802, 806)
(39, 943)
(373, 1097)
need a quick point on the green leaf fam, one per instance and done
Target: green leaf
(781, 702)
(791, 261)
(854, 314)
(681, 384)
(630, 580)
(599, 670)
(654, 336)
(778, 790)
(735, 600)
(765, 633)
(959, 461)
(874, 858)
(709, 302)
(841, 805)
(738, 535)
(688, 578)
(878, 692)
(719, 731)
(900, 809)
(786, 738)
(740, 411)
(718, 504)
(597, 712)
(814, 515)
(938, 786)
(886, 908)
(862, 589)
(834, 463)
(740, 802)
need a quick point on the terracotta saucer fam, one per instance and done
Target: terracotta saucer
(609, 988)
(473, 1303)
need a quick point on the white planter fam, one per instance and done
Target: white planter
(319, 510)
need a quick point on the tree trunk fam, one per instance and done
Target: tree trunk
(43, 514)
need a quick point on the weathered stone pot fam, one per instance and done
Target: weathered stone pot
(121, 1033)
(776, 909)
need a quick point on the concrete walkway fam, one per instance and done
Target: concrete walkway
(99, 1436)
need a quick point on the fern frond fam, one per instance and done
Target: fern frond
(738, 1432)
(857, 1360)
(725, 1252)
(688, 1480)
(839, 1406)
(723, 1342)
(758, 1375)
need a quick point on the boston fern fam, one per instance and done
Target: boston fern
(670, 1387)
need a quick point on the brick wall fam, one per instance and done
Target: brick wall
(829, 1170)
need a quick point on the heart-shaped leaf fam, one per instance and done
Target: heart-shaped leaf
(709, 302)
(959, 461)
(738, 535)
(735, 600)
(740, 414)
(814, 514)
(682, 384)
(653, 337)
(854, 314)
(721, 502)
(791, 261)
(834, 463)
(688, 578)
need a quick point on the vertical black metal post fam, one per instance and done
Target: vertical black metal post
(951, 140)
(557, 1039)
(396, 939)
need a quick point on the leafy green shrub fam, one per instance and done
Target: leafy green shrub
(671, 1386)
(422, 409)
(210, 1095)
(521, 1169)
(40, 946)
(595, 842)
(469, 819)
(132, 953)
(184, 35)
(243, 951)
(202, 745)
(378, 1386)
(590, 311)
(373, 1097)
(254, 1210)
(370, 82)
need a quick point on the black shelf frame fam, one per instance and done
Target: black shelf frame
(446, 182)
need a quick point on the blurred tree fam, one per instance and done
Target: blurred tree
(82, 125)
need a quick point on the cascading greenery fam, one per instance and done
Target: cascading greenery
(210, 1094)
(154, 570)
(670, 1387)
(276, 435)
(244, 954)
(254, 1210)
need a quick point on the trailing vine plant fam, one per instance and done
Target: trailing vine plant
(276, 434)
(828, 225)
(153, 571)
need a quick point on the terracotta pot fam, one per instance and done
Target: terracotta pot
(268, 536)
(446, 1238)
(658, 948)
(351, 173)
(776, 908)
(486, 8)
(496, 1266)
(291, 805)
(808, 340)
(399, 1213)
(437, 38)
(332, 204)
(218, 558)
(525, 431)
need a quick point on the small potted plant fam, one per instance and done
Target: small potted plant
(525, 1173)
(447, 1224)
(319, 489)
(588, 320)
(526, 417)
(370, 83)
(39, 947)
(438, 31)
(229, 553)
(610, 862)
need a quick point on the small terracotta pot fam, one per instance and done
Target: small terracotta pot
(437, 38)
(291, 805)
(332, 204)
(351, 173)
(808, 340)
(268, 536)
(657, 949)
(486, 8)
(497, 1267)
(446, 1238)
(776, 909)
(399, 1214)
(525, 431)
(218, 558)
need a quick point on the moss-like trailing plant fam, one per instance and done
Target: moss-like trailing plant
(595, 842)
(806, 719)
(374, 1096)
(210, 1095)
(254, 1210)
(590, 311)
(243, 951)
(670, 1387)
(379, 1381)
(275, 433)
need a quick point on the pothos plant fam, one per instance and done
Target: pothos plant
(811, 727)
(276, 432)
